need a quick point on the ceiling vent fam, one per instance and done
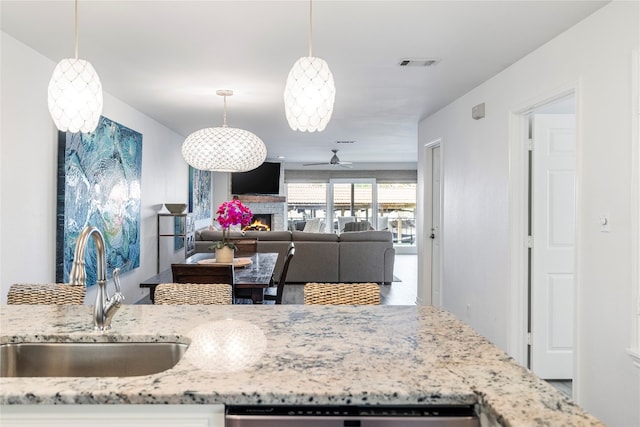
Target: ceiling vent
(418, 62)
(345, 141)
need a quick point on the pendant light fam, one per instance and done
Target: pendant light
(310, 92)
(75, 93)
(224, 149)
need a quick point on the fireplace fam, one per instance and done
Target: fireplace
(260, 222)
(273, 206)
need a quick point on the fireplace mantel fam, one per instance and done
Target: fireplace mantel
(248, 198)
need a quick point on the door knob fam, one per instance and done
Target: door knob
(433, 236)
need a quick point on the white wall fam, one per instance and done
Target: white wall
(28, 162)
(221, 190)
(596, 57)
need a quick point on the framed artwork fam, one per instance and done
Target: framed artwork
(179, 229)
(99, 175)
(199, 193)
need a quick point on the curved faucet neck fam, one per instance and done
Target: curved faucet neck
(105, 306)
(78, 275)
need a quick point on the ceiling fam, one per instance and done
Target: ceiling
(168, 58)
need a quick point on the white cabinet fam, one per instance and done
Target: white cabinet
(112, 415)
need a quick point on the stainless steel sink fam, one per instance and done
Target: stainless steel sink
(122, 359)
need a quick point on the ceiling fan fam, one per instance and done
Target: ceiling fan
(335, 161)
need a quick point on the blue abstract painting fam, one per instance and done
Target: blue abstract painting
(199, 193)
(99, 178)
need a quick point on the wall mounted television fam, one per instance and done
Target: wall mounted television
(265, 179)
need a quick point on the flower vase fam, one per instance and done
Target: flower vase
(224, 254)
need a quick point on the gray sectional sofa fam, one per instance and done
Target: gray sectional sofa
(360, 256)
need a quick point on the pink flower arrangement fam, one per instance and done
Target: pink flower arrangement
(231, 213)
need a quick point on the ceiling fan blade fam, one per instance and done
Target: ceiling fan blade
(335, 161)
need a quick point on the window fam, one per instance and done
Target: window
(305, 201)
(387, 206)
(397, 208)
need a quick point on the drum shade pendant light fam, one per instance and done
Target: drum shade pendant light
(224, 149)
(75, 93)
(310, 92)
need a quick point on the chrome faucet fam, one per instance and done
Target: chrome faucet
(105, 306)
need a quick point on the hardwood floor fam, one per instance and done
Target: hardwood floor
(565, 386)
(403, 292)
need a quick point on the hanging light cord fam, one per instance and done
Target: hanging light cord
(310, 27)
(224, 115)
(224, 93)
(76, 34)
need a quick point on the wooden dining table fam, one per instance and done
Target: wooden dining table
(252, 272)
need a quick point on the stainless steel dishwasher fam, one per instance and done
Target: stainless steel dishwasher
(351, 416)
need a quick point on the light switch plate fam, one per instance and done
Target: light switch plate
(477, 112)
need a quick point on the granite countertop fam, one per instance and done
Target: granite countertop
(295, 354)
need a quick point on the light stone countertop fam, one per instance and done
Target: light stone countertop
(295, 354)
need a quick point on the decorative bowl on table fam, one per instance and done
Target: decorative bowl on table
(175, 208)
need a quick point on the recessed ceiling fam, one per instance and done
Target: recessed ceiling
(168, 58)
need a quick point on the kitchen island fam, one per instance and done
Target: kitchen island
(294, 354)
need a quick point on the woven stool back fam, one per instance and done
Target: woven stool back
(341, 293)
(50, 293)
(193, 293)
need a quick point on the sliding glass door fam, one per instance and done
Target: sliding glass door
(351, 201)
(387, 206)
(397, 204)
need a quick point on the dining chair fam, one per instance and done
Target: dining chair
(50, 293)
(342, 220)
(357, 226)
(198, 273)
(275, 293)
(383, 223)
(341, 293)
(193, 293)
(195, 274)
(245, 247)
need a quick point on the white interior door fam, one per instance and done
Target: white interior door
(435, 227)
(553, 231)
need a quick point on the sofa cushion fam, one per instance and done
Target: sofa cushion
(269, 235)
(216, 236)
(313, 237)
(366, 262)
(315, 260)
(314, 225)
(212, 235)
(366, 236)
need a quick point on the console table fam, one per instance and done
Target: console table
(182, 228)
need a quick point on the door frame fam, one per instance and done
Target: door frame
(517, 328)
(634, 350)
(426, 291)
